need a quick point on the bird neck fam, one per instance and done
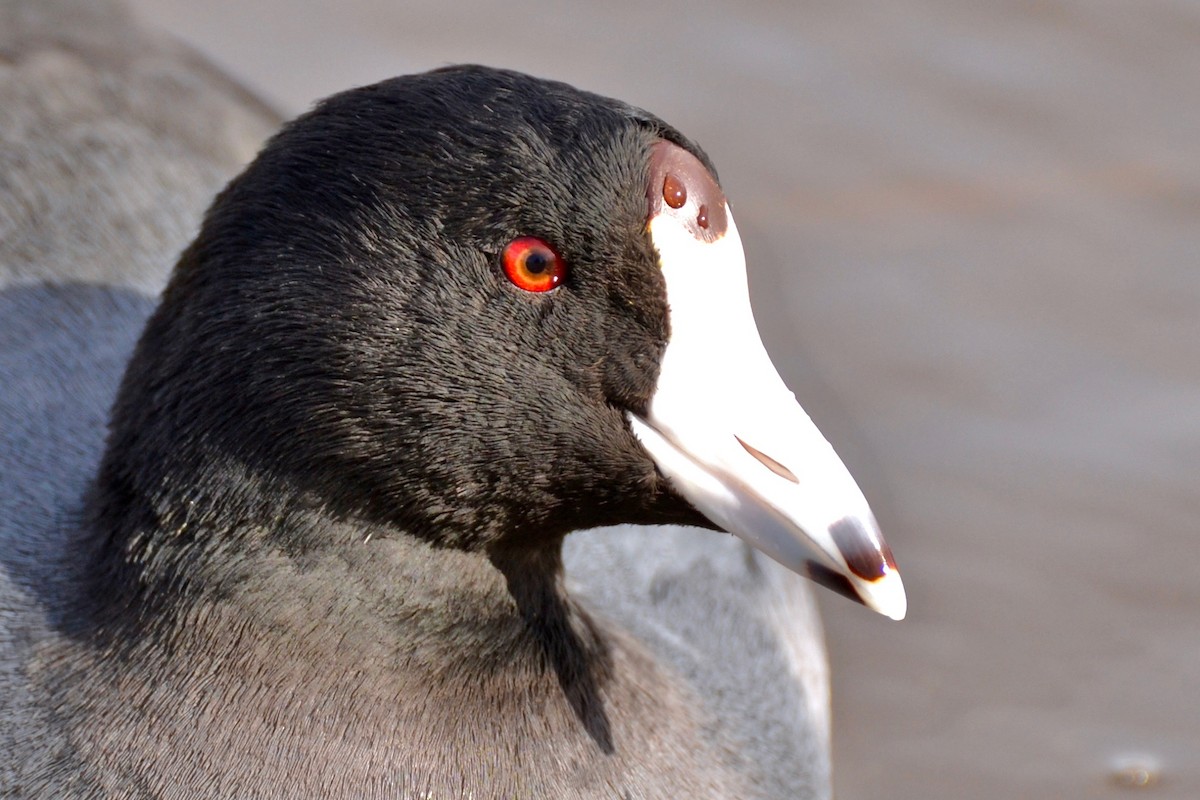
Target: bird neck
(168, 561)
(360, 645)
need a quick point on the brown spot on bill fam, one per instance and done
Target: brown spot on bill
(858, 548)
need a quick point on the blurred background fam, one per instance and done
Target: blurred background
(973, 231)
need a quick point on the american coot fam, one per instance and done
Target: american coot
(437, 325)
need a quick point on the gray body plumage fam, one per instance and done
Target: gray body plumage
(111, 144)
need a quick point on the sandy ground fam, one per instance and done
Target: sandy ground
(974, 240)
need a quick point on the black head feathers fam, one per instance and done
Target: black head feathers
(340, 338)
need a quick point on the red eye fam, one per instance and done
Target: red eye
(532, 265)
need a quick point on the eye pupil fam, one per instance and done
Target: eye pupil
(537, 262)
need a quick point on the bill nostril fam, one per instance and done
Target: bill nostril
(768, 462)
